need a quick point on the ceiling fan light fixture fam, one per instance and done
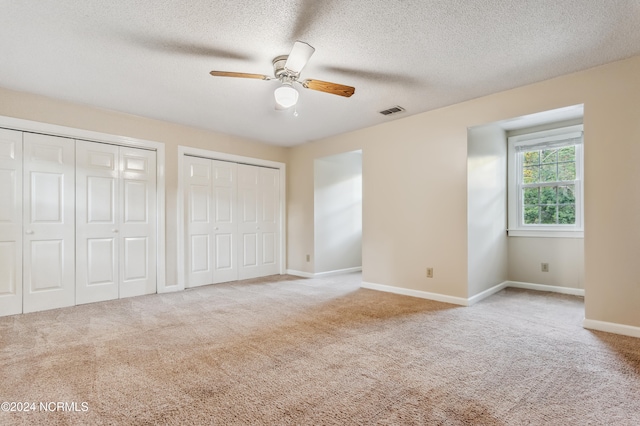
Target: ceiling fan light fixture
(286, 95)
(286, 69)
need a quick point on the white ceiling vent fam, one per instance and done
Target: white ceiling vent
(393, 110)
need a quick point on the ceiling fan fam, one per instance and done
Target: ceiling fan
(287, 68)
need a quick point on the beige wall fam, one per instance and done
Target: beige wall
(46, 110)
(612, 194)
(415, 188)
(565, 257)
(408, 167)
(486, 207)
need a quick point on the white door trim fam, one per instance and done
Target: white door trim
(72, 133)
(214, 155)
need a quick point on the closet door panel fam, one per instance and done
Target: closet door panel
(249, 252)
(269, 189)
(49, 222)
(248, 224)
(224, 221)
(269, 253)
(97, 224)
(200, 264)
(138, 222)
(47, 259)
(225, 257)
(10, 222)
(136, 262)
(198, 244)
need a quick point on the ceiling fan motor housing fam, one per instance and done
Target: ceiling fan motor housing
(278, 67)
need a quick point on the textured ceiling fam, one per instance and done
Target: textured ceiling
(152, 57)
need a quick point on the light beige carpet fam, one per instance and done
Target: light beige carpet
(318, 351)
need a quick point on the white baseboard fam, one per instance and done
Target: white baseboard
(489, 292)
(416, 293)
(543, 287)
(338, 272)
(299, 273)
(323, 274)
(473, 299)
(611, 327)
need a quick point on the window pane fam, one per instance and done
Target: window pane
(548, 214)
(531, 196)
(567, 214)
(531, 158)
(566, 194)
(530, 174)
(567, 171)
(549, 156)
(541, 169)
(548, 173)
(531, 215)
(548, 195)
(567, 153)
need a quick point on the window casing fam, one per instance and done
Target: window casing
(546, 183)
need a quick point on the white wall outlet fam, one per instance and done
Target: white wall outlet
(544, 267)
(429, 272)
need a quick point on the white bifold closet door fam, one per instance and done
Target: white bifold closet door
(48, 222)
(10, 222)
(36, 222)
(258, 208)
(227, 236)
(211, 221)
(116, 222)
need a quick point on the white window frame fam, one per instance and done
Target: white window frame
(516, 226)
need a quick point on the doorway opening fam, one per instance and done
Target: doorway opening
(338, 213)
(498, 254)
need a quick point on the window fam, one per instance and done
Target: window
(545, 183)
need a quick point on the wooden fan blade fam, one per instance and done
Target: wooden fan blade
(333, 88)
(239, 74)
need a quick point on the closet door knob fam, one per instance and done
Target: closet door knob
(215, 229)
(28, 231)
(114, 230)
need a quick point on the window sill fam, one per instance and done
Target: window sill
(545, 233)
